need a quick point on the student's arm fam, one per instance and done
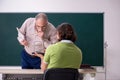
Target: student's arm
(44, 66)
(45, 60)
(43, 63)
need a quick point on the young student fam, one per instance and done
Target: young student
(63, 54)
(38, 35)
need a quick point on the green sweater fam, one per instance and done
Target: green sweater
(63, 55)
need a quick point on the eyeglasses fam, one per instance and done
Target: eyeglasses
(40, 28)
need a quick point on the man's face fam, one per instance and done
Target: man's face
(40, 24)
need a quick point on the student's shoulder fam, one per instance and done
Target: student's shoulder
(54, 45)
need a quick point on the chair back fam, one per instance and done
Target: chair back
(61, 74)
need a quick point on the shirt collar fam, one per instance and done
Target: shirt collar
(66, 41)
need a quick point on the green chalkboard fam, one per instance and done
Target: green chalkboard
(88, 26)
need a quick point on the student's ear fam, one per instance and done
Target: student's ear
(58, 36)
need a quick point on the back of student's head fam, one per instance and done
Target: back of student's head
(66, 32)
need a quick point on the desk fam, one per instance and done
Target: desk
(36, 74)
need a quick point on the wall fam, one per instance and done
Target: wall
(111, 21)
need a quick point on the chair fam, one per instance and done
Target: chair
(61, 74)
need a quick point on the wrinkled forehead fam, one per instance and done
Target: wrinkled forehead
(41, 22)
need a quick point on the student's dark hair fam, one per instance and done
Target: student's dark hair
(66, 32)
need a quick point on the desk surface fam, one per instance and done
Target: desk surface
(37, 71)
(21, 71)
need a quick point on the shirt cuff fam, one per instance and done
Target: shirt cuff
(45, 62)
